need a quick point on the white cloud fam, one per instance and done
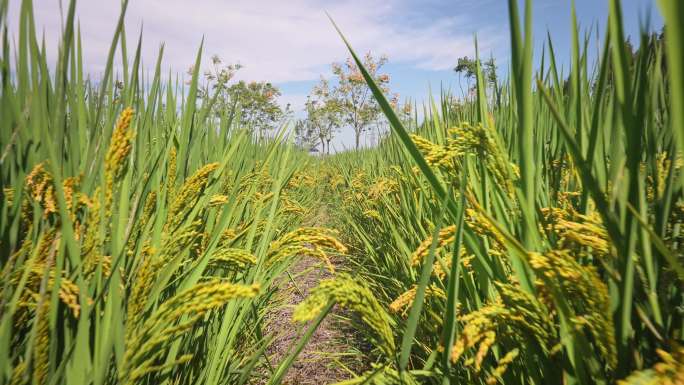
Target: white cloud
(278, 41)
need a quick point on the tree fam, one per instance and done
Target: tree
(489, 70)
(258, 105)
(256, 102)
(324, 113)
(468, 68)
(305, 137)
(405, 113)
(356, 103)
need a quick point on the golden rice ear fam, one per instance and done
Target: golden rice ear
(141, 287)
(501, 366)
(231, 258)
(351, 294)
(187, 196)
(315, 242)
(668, 371)
(41, 345)
(41, 189)
(584, 291)
(171, 176)
(583, 235)
(292, 207)
(436, 155)
(117, 154)
(172, 319)
(515, 316)
(401, 303)
(446, 237)
(483, 140)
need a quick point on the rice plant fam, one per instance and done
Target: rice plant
(141, 235)
(535, 237)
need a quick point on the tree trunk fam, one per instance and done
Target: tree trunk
(358, 136)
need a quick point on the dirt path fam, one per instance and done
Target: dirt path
(331, 348)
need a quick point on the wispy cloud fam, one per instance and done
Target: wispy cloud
(279, 41)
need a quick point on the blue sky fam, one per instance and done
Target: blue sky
(292, 43)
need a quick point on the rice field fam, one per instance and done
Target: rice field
(531, 234)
